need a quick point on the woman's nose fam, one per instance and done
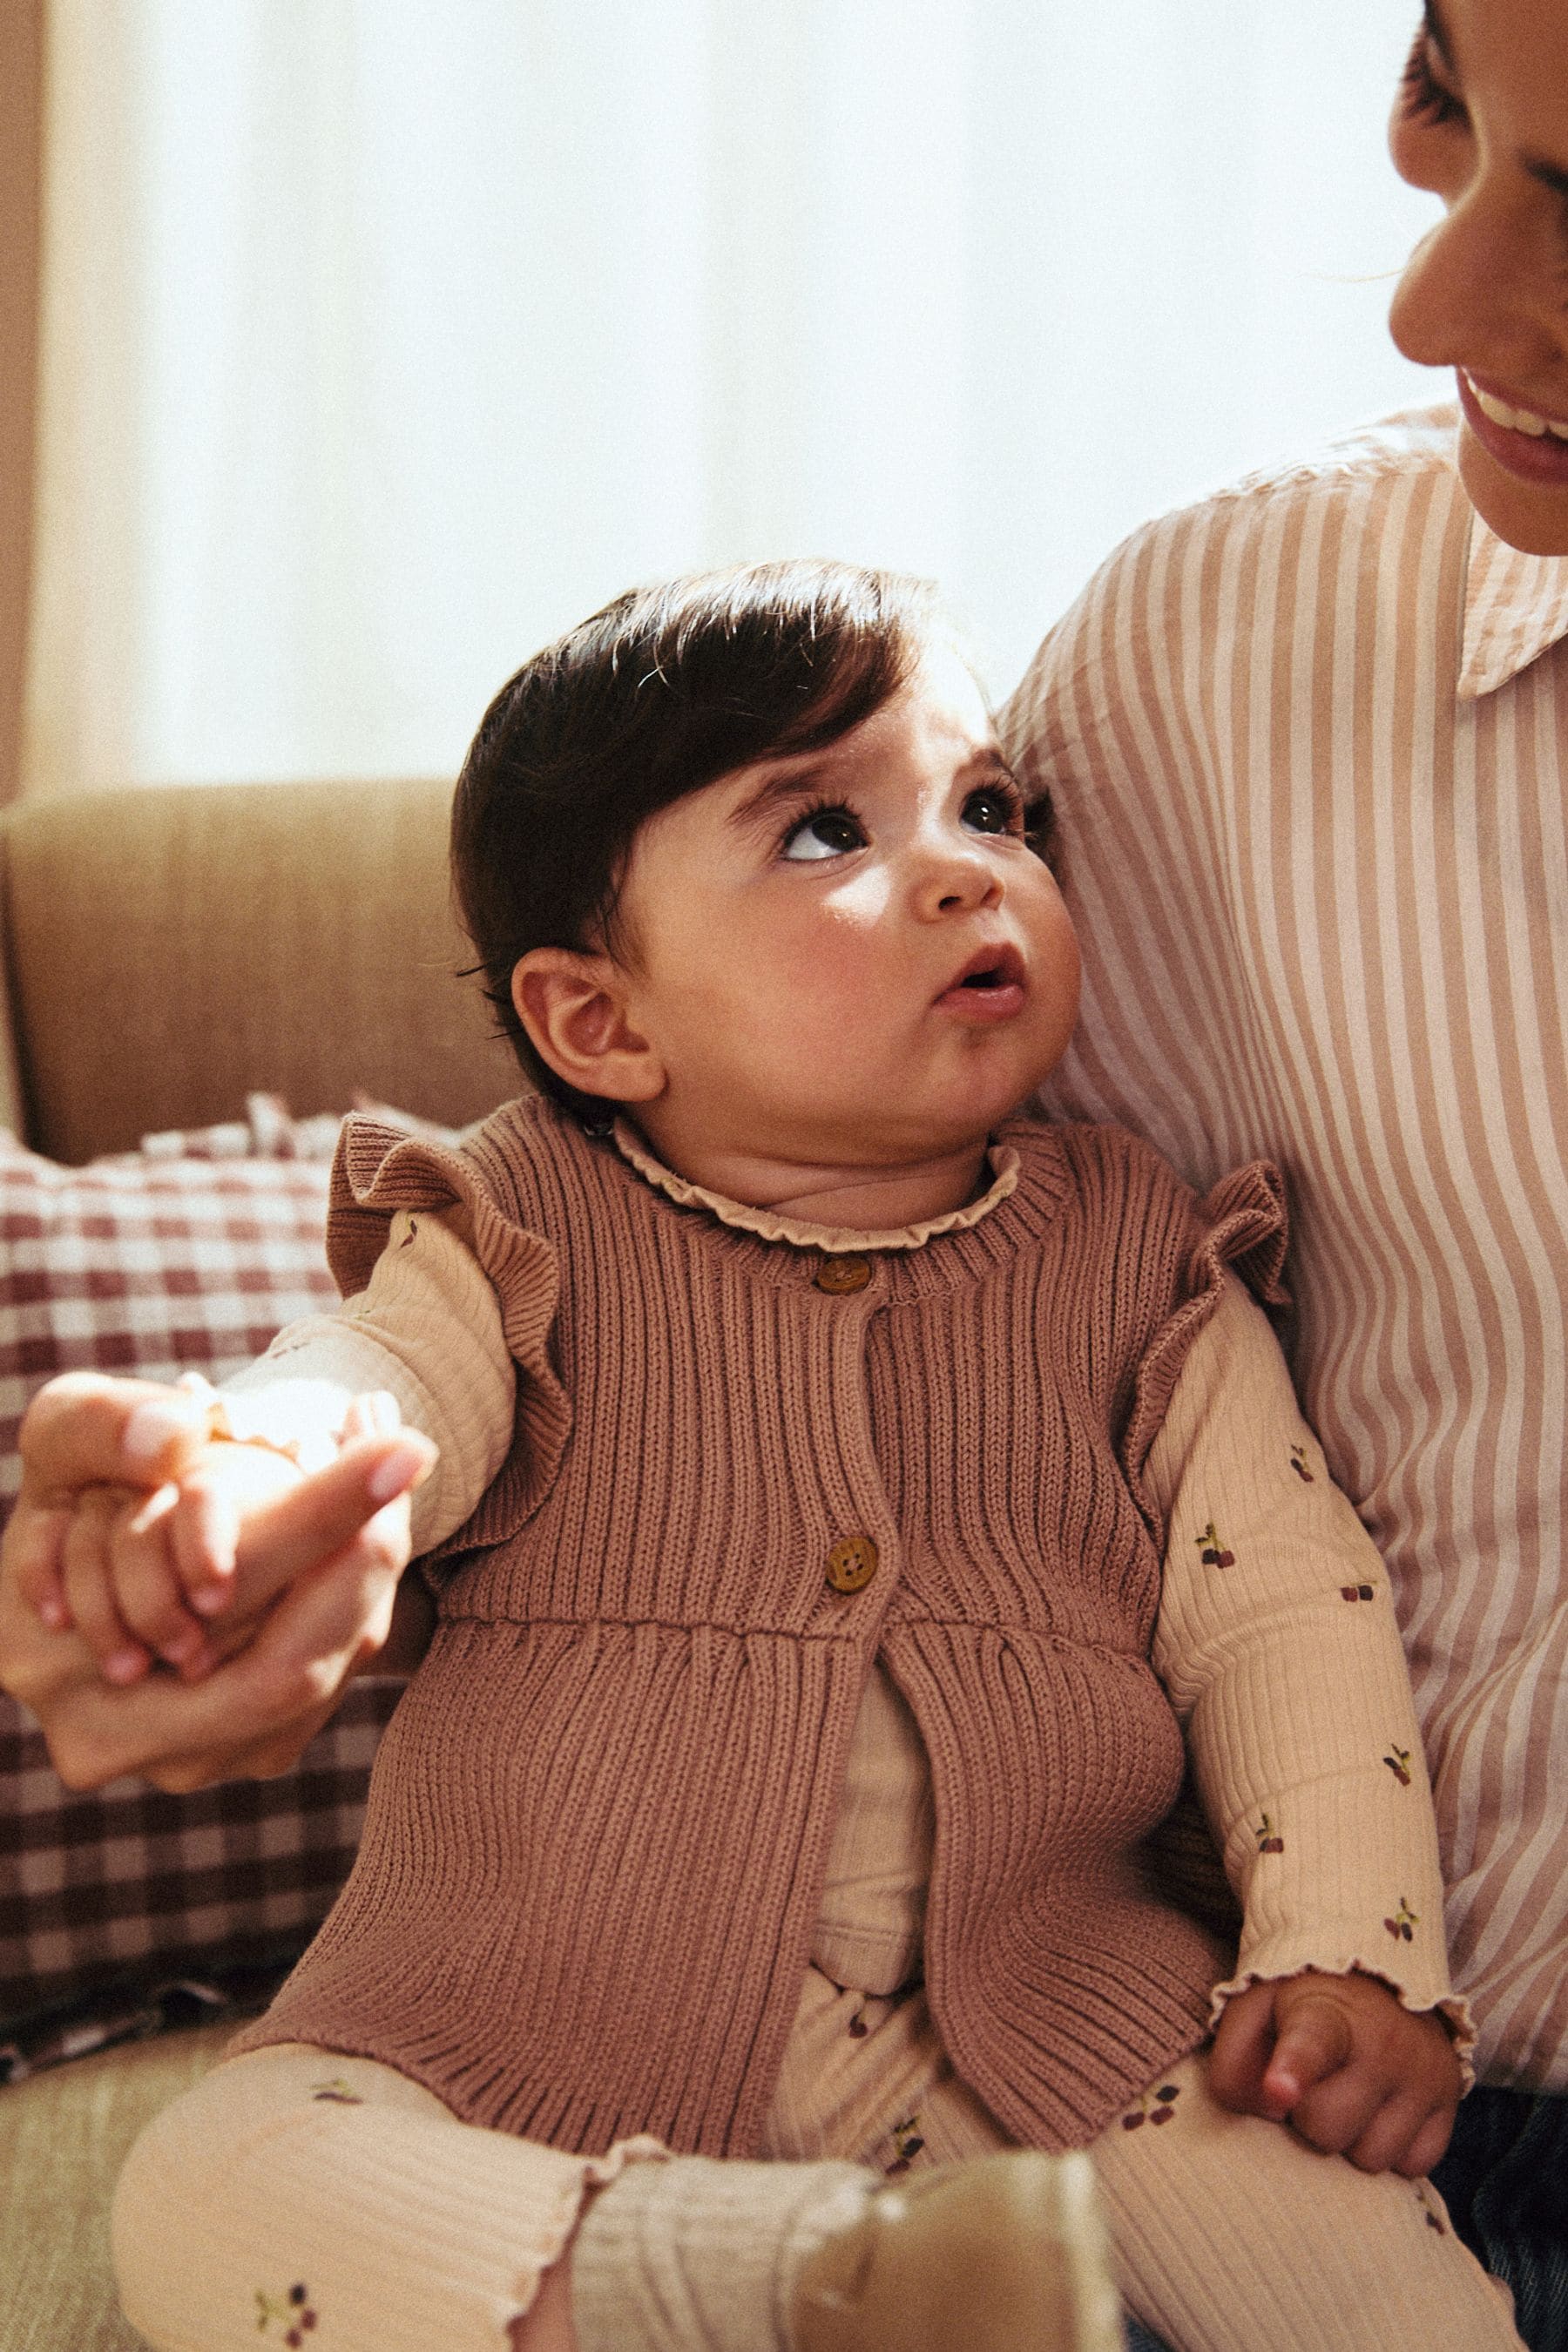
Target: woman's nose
(1472, 296)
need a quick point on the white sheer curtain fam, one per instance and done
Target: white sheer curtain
(382, 340)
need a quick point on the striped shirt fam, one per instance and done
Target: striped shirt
(1308, 743)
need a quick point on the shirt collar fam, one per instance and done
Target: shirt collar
(1003, 1170)
(1515, 607)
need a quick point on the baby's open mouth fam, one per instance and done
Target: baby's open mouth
(993, 976)
(990, 968)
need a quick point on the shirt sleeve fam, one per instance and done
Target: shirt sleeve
(427, 1328)
(1277, 1643)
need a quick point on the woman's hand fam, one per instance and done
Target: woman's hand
(1348, 2068)
(310, 1594)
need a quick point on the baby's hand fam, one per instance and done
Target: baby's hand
(1352, 2071)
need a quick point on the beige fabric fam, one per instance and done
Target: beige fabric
(1295, 1700)
(172, 949)
(1308, 743)
(63, 2137)
(429, 1329)
(296, 2179)
(294, 2173)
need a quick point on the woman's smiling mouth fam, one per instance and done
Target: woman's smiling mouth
(1522, 441)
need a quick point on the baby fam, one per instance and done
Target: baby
(849, 1491)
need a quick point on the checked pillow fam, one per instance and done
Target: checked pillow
(120, 1904)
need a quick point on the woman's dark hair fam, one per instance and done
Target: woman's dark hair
(664, 691)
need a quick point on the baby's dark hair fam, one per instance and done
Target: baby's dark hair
(664, 691)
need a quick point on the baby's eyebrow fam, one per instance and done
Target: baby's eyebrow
(783, 789)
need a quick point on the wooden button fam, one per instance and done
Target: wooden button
(852, 1563)
(838, 1275)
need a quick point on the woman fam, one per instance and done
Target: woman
(1309, 747)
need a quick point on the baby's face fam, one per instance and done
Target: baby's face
(851, 956)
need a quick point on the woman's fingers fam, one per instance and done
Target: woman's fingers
(323, 1514)
(90, 1585)
(87, 1430)
(34, 1554)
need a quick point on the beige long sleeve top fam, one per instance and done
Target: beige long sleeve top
(1303, 1742)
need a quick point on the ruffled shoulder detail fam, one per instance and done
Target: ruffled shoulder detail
(1240, 1223)
(380, 1171)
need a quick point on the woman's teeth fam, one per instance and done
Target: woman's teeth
(1516, 420)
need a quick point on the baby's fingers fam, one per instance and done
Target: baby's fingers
(149, 1587)
(1242, 2048)
(1404, 2136)
(1314, 2042)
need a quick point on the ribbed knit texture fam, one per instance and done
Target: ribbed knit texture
(698, 2256)
(597, 1832)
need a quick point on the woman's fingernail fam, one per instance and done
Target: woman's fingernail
(209, 1600)
(397, 1472)
(150, 1429)
(54, 1612)
(124, 1666)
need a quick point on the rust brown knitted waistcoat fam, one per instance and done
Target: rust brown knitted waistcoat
(600, 1819)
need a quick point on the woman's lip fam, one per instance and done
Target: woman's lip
(1542, 460)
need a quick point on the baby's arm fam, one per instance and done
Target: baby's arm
(1278, 1643)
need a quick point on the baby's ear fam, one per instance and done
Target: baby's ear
(573, 1004)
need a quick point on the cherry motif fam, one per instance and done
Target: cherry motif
(1298, 1464)
(1355, 1592)
(296, 2307)
(1268, 1838)
(1404, 1923)
(1398, 1762)
(1210, 1551)
(1160, 2112)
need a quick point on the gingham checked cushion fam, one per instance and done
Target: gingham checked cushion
(188, 1254)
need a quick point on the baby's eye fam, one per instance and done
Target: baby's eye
(825, 832)
(994, 810)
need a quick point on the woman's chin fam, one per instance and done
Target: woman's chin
(1531, 516)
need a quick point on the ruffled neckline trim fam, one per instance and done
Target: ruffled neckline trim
(832, 1240)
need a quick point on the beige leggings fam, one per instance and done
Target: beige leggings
(295, 2190)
